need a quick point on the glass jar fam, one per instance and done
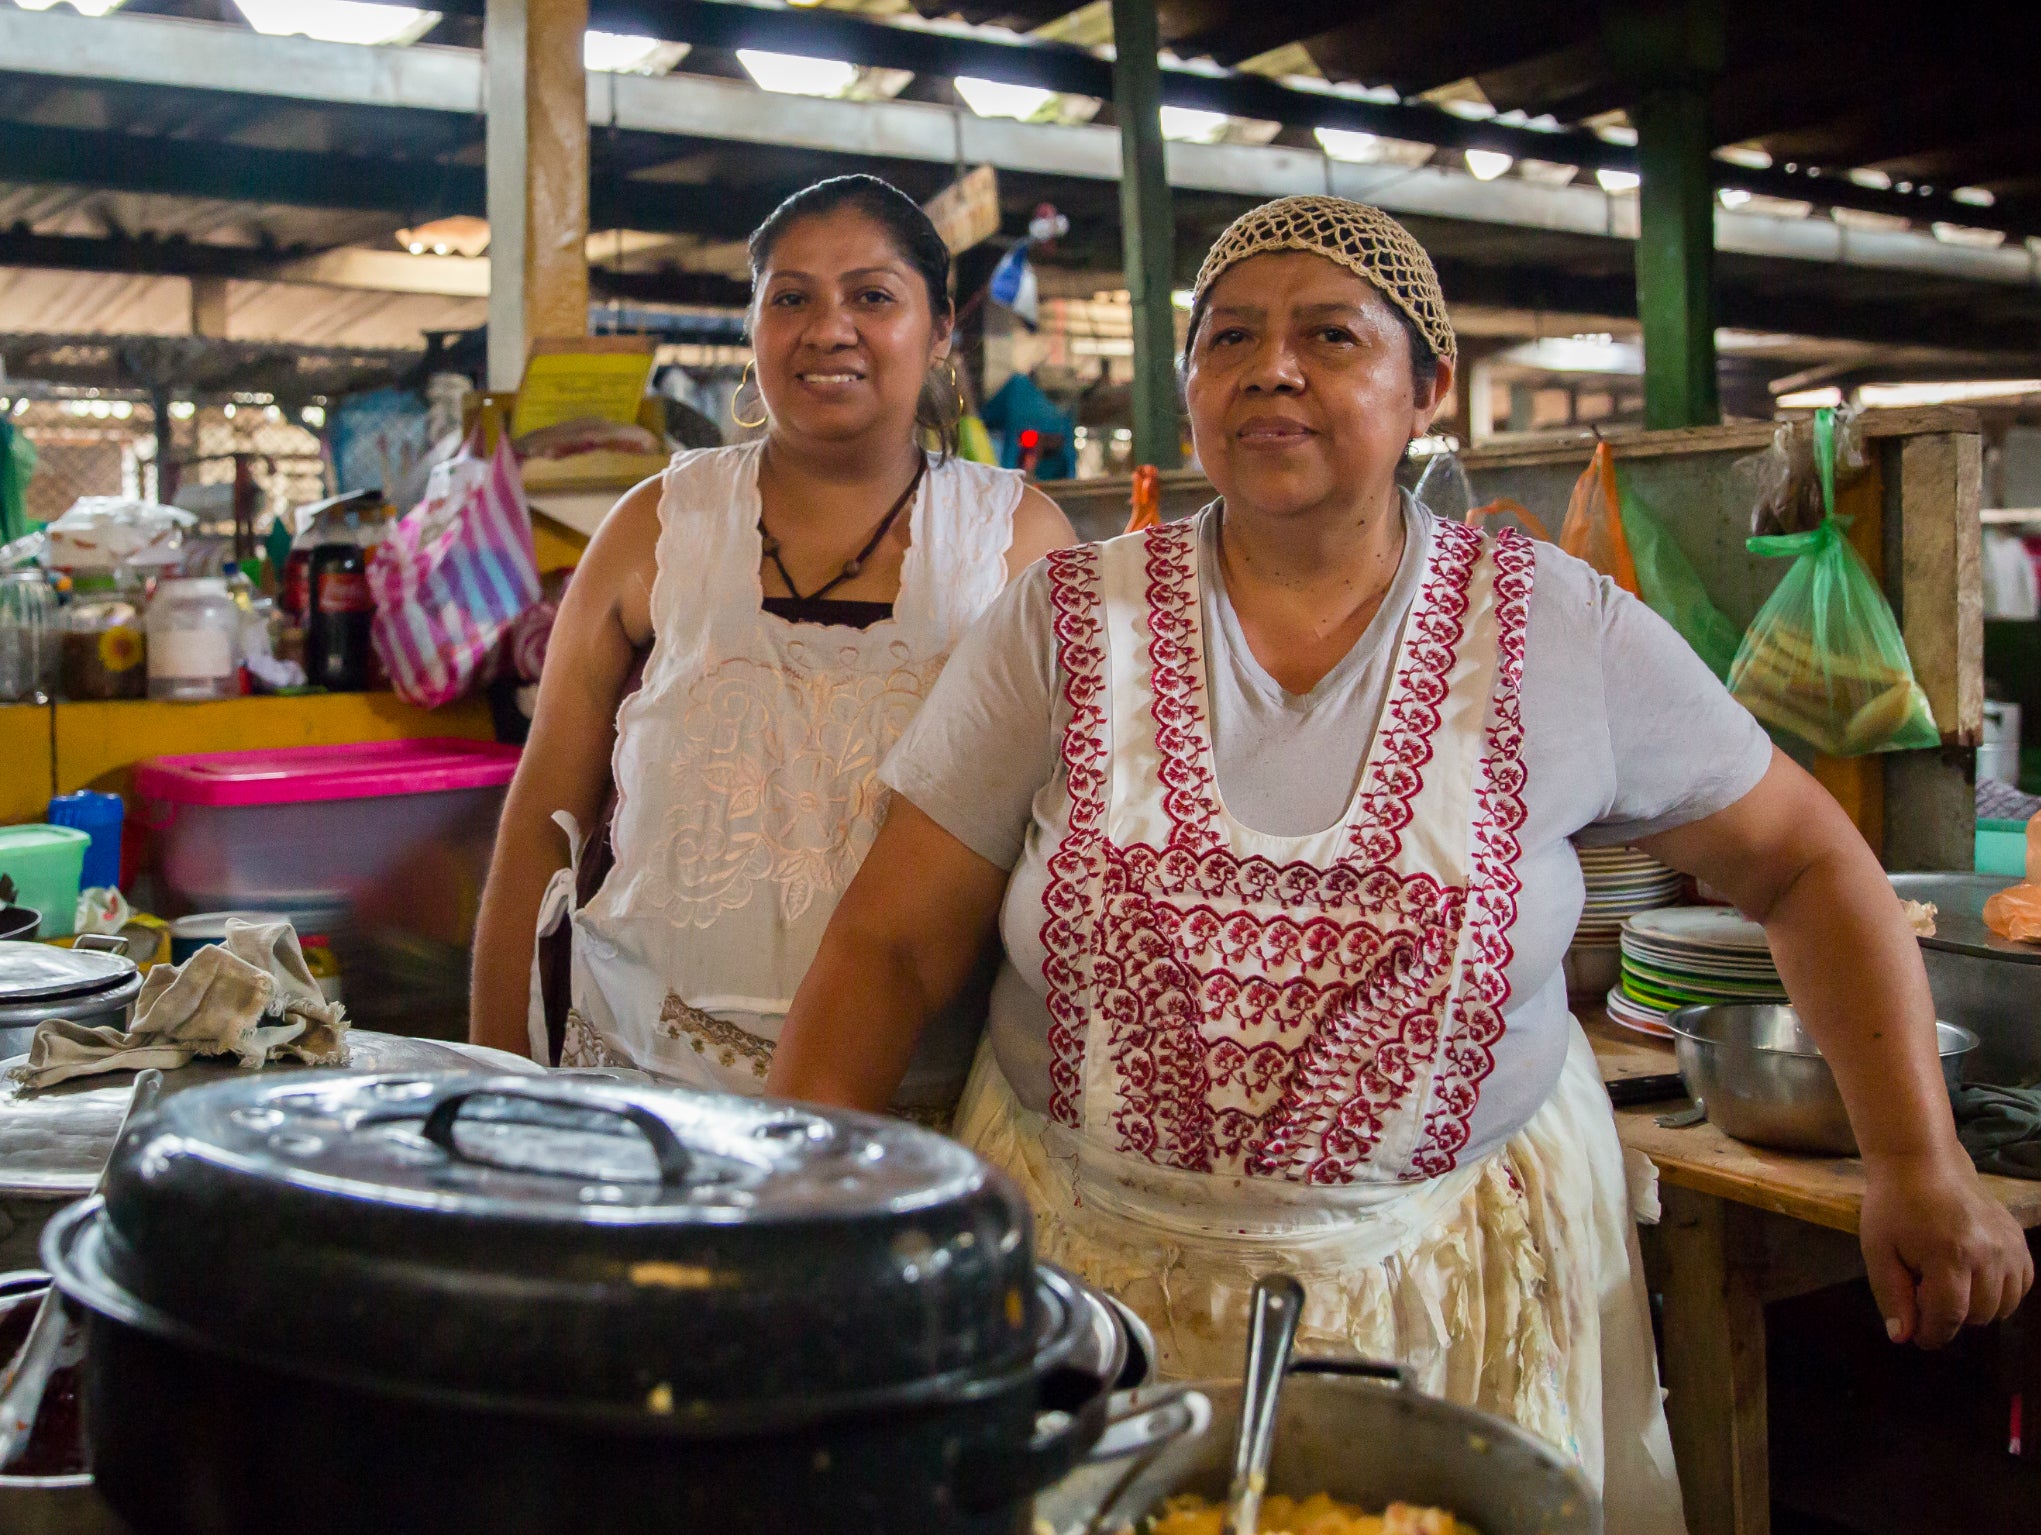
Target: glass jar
(194, 640)
(28, 635)
(102, 645)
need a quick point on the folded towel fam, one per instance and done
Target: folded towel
(251, 997)
(2000, 1127)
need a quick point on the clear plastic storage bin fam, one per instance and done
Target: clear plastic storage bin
(383, 845)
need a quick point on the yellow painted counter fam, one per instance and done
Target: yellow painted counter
(56, 748)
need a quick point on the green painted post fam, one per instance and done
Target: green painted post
(1147, 231)
(1676, 257)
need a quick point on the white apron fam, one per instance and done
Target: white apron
(1265, 1051)
(747, 777)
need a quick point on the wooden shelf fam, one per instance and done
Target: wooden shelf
(58, 747)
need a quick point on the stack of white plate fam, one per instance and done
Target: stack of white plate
(1687, 955)
(1620, 883)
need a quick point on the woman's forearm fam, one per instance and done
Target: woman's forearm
(1853, 967)
(529, 850)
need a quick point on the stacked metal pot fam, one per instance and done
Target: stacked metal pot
(394, 1303)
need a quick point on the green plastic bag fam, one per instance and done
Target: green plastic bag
(1671, 587)
(17, 463)
(1824, 658)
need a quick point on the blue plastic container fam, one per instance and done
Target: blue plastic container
(99, 816)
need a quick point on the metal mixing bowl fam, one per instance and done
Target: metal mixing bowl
(1763, 1080)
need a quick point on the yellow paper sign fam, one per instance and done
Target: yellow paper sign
(967, 210)
(561, 386)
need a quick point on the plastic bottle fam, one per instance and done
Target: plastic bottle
(337, 624)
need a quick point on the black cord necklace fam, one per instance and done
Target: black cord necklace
(856, 563)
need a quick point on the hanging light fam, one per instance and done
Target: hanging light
(996, 98)
(1487, 164)
(82, 7)
(339, 21)
(1616, 183)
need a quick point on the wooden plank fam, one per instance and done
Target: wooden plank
(28, 765)
(1715, 1364)
(1733, 437)
(98, 744)
(1940, 600)
(1823, 1191)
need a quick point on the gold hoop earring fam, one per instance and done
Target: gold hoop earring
(751, 373)
(957, 400)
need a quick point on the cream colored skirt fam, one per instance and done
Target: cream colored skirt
(1513, 1285)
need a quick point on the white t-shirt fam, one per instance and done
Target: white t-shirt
(1626, 733)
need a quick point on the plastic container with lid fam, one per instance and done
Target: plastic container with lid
(40, 867)
(316, 828)
(194, 640)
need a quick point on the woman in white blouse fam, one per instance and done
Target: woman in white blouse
(789, 601)
(1274, 810)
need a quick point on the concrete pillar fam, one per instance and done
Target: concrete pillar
(537, 168)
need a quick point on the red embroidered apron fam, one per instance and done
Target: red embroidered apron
(1317, 1009)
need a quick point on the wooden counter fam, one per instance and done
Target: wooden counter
(1739, 1227)
(1823, 1191)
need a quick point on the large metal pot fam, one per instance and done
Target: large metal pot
(516, 1305)
(1365, 1434)
(87, 984)
(54, 1142)
(1989, 984)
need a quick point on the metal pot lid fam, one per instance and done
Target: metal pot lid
(38, 972)
(1959, 915)
(53, 1143)
(594, 1244)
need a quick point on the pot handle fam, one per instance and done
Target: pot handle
(1370, 1369)
(674, 1162)
(1075, 1407)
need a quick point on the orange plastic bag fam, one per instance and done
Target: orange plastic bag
(1506, 513)
(1593, 530)
(1147, 499)
(2015, 912)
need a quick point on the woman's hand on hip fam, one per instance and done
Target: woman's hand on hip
(1941, 1253)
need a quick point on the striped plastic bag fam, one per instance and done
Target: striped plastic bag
(451, 577)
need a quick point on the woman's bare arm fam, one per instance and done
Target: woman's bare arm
(1039, 527)
(1939, 1251)
(901, 944)
(604, 616)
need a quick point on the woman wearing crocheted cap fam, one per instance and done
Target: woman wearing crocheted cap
(1274, 810)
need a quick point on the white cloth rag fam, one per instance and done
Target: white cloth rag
(251, 997)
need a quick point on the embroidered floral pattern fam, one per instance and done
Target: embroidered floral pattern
(774, 788)
(1073, 868)
(1469, 1055)
(1261, 1018)
(717, 1038)
(581, 1046)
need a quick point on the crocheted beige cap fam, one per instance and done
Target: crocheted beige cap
(1364, 240)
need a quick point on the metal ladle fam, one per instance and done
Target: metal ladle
(1278, 1303)
(22, 1388)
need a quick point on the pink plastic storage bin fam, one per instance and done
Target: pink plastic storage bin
(317, 830)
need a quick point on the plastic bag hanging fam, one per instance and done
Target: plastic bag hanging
(1671, 587)
(1824, 659)
(1593, 530)
(1145, 502)
(2015, 912)
(1444, 490)
(1505, 513)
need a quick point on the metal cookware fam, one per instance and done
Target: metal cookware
(1365, 1434)
(1762, 1078)
(53, 1143)
(64, 1504)
(1988, 984)
(19, 923)
(545, 1305)
(87, 984)
(1272, 1329)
